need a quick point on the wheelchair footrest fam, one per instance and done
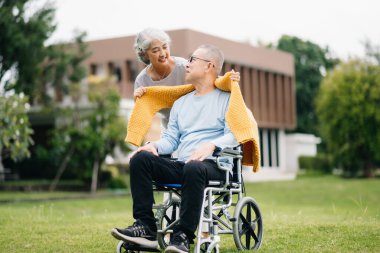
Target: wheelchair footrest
(136, 247)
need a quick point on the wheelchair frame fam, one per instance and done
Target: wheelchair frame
(246, 224)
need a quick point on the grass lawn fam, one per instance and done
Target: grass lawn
(323, 214)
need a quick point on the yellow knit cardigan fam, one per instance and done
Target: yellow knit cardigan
(239, 118)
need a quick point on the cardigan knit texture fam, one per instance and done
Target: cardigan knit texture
(239, 118)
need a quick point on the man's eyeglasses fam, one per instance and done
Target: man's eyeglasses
(193, 58)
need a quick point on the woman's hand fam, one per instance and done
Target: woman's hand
(235, 76)
(139, 92)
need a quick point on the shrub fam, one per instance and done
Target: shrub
(117, 183)
(349, 118)
(322, 163)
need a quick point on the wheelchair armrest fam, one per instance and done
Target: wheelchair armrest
(227, 152)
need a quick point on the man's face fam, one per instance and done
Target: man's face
(197, 66)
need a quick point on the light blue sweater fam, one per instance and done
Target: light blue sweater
(195, 120)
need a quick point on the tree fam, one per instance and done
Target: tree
(66, 60)
(22, 51)
(372, 52)
(28, 66)
(106, 129)
(311, 64)
(88, 136)
(14, 129)
(348, 107)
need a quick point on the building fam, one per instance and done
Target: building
(267, 84)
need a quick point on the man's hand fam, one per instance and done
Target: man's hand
(150, 147)
(202, 152)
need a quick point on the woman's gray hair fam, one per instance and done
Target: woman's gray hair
(215, 55)
(145, 38)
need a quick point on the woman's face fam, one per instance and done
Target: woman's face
(158, 53)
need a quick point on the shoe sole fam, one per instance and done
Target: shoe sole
(172, 249)
(136, 240)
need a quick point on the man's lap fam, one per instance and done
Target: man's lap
(165, 170)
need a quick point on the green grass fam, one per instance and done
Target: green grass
(324, 214)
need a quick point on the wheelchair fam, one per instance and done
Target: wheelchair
(219, 200)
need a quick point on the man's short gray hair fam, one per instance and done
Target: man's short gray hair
(145, 38)
(215, 55)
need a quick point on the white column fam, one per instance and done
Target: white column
(273, 148)
(265, 148)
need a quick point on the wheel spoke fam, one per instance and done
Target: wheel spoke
(243, 232)
(248, 241)
(256, 220)
(253, 234)
(248, 213)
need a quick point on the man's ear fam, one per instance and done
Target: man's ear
(208, 67)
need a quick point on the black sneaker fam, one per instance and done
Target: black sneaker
(179, 243)
(137, 234)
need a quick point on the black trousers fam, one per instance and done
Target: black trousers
(194, 176)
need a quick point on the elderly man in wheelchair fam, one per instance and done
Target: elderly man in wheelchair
(205, 176)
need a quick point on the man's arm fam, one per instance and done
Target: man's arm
(170, 138)
(228, 140)
(206, 149)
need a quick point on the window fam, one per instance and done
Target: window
(93, 69)
(269, 146)
(132, 70)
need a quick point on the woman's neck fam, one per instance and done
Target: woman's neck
(160, 71)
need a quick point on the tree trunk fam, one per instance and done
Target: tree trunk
(368, 172)
(61, 169)
(2, 170)
(95, 172)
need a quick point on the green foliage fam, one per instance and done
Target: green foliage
(26, 64)
(348, 107)
(117, 183)
(64, 68)
(14, 127)
(89, 135)
(311, 63)
(321, 163)
(22, 49)
(372, 52)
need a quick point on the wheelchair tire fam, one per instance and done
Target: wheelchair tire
(204, 247)
(248, 225)
(119, 247)
(125, 247)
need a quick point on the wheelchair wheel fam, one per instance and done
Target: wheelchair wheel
(248, 225)
(204, 246)
(163, 221)
(120, 248)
